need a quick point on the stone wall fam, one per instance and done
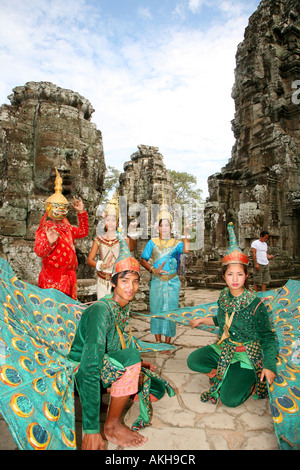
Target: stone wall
(45, 127)
(259, 188)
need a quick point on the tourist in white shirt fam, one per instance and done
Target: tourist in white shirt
(259, 249)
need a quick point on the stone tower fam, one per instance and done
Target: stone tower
(259, 188)
(144, 180)
(45, 127)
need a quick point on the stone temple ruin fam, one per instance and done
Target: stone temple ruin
(144, 180)
(45, 126)
(259, 188)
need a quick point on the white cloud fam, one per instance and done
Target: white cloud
(170, 88)
(144, 13)
(195, 5)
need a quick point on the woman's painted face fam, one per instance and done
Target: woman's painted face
(110, 222)
(164, 228)
(235, 278)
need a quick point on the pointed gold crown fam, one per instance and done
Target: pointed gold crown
(164, 212)
(112, 207)
(57, 197)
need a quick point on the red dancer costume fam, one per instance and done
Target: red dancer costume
(59, 258)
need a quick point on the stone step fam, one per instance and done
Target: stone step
(215, 285)
(213, 263)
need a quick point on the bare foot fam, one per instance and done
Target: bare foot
(123, 436)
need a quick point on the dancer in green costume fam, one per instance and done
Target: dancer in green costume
(245, 355)
(104, 357)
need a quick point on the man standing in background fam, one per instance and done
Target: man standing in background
(261, 273)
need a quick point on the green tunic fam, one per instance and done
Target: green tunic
(250, 323)
(250, 328)
(96, 337)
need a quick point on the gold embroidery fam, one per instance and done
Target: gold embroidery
(122, 340)
(162, 244)
(226, 328)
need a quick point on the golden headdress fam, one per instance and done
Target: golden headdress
(57, 197)
(112, 207)
(57, 204)
(164, 212)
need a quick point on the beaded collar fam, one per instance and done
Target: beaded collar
(120, 314)
(230, 303)
(107, 241)
(166, 243)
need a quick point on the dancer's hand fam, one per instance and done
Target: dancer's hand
(78, 204)
(196, 322)
(52, 235)
(187, 227)
(158, 271)
(268, 374)
(208, 321)
(93, 442)
(132, 226)
(109, 262)
(148, 365)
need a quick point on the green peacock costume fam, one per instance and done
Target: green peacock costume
(46, 340)
(246, 345)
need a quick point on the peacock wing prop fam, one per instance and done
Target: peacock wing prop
(186, 314)
(37, 327)
(283, 305)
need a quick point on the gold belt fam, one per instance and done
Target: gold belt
(165, 277)
(103, 275)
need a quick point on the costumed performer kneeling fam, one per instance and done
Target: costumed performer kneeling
(245, 354)
(104, 358)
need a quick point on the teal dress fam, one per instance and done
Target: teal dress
(164, 289)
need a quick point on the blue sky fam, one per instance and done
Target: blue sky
(157, 72)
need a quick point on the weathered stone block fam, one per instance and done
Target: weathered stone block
(41, 129)
(254, 190)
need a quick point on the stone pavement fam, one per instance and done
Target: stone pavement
(183, 422)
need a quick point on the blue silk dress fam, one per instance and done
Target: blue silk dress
(164, 289)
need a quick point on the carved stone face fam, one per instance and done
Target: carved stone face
(66, 160)
(51, 128)
(45, 127)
